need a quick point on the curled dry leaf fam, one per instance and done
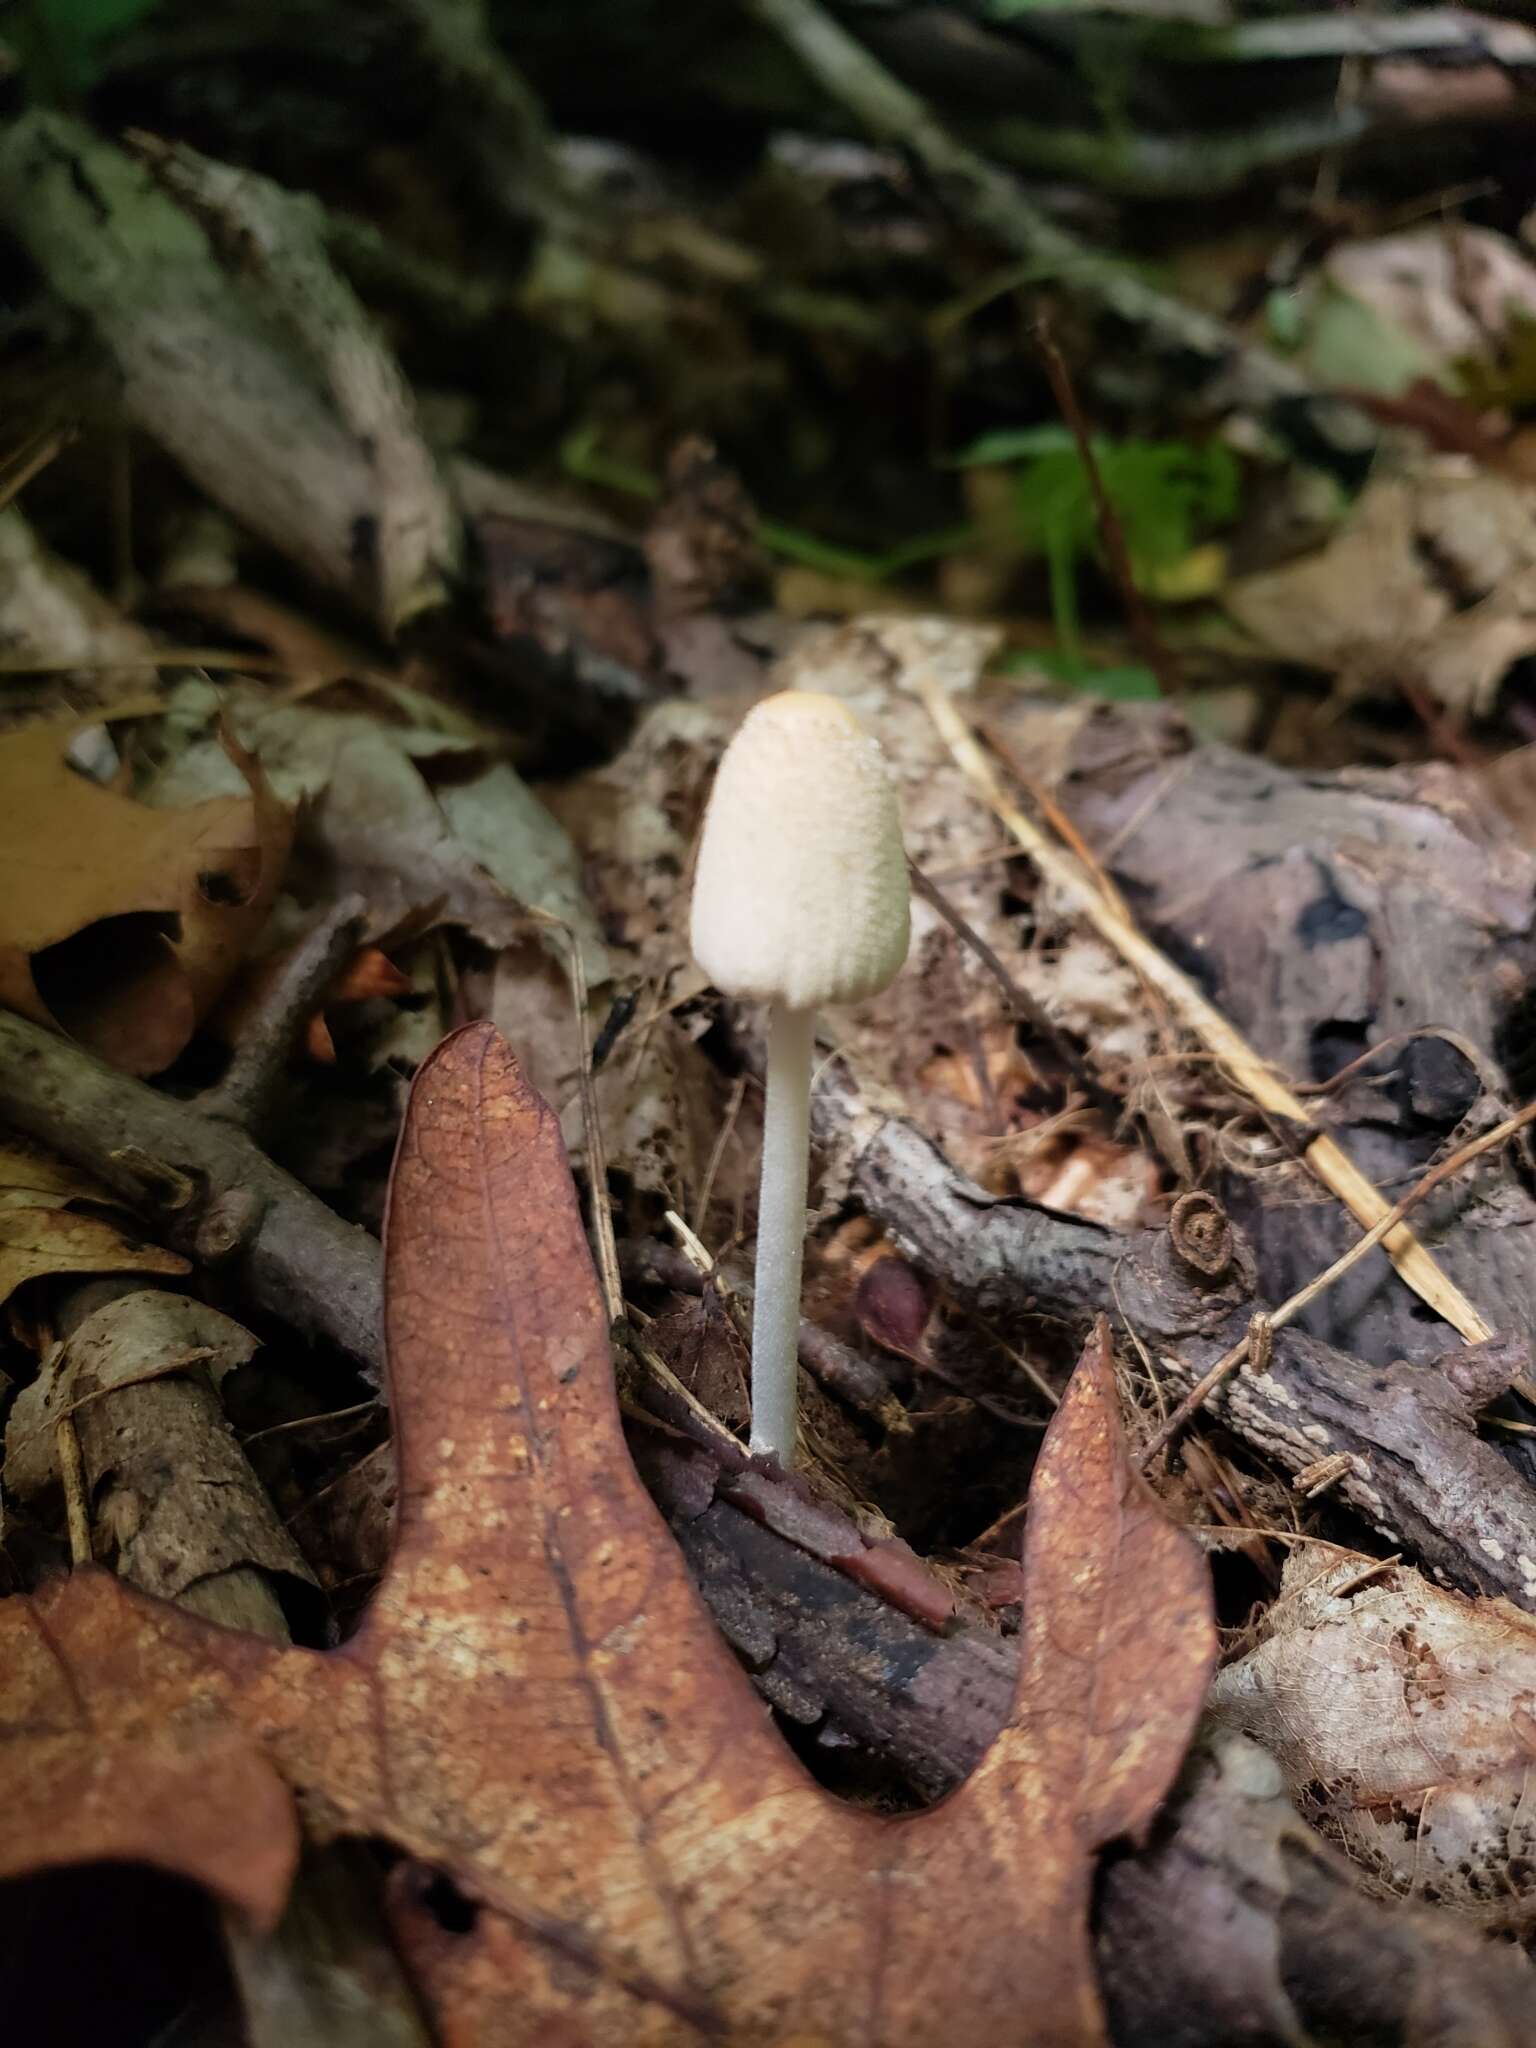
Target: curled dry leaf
(121, 923)
(138, 1337)
(1452, 292)
(538, 1706)
(1432, 581)
(891, 1305)
(41, 1235)
(1405, 1717)
(408, 817)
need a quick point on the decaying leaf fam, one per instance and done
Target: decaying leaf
(35, 1242)
(40, 1234)
(1405, 1718)
(1432, 581)
(1439, 296)
(1240, 1926)
(119, 922)
(407, 816)
(53, 613)
(538, 1707)
(33, 1179)
(140, 1336)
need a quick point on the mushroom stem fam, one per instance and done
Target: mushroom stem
(781, 1230)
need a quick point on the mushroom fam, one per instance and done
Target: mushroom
(800, 898)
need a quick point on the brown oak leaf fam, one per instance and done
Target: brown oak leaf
(538, 1708)
(121, 922)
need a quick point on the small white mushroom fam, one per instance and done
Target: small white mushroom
(800, 898)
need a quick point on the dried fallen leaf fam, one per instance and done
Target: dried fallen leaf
(1403, 1716)
(119, 922)
(405, 815)
(1433, 580)
(37, 1242)
(41, 1235)
(1456, 292)
(538, 1706)
(33, 1179)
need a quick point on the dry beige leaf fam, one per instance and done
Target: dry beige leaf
(1404, 1718)
(1455, 290)
(41, 1235)
(30, 1179)
(121, 923)
(1432, 581)
(38, 1242)
(408, 817)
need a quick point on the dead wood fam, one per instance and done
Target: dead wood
(233, 390)
(1236, 1924)
(1419, 1473)
(244, 1095)
(287, 1252)
(171, 1498)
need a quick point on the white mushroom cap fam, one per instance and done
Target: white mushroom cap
(801, 895)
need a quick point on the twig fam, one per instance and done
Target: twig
(840, 1369)
(1277, 1318)
(29, 461)
(244, 1096)
(717, 1151)
(1255, 1076)
(297, 1258)
(1420, 1473)
(72, 1472)
(591, 1123)
(1149, 645)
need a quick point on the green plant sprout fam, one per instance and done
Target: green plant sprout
(1164, 492)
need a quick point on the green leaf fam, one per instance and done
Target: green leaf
(1130, 684)
(1163, 492)
(1350, 343)
(1014, 444)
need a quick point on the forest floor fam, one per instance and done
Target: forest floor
(425, 431)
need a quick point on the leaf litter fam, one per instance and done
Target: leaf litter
(538, 1707)
(591, 1831)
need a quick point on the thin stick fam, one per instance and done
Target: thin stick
(1228, 1363)
(1021, 1005)
(266, 1040)
(1257, 1077)
(72, 1472)
(592, 1133)
(1154, 654)
(30, 461)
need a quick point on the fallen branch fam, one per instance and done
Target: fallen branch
(218, 382)
(1413, 1466)
(244, 1095)
(199, 1177)
(1243, 1351)
(281, 235)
